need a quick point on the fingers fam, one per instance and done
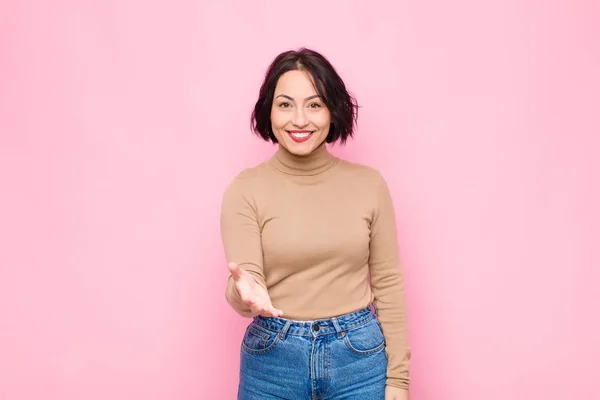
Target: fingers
(271, 311)
(265, 309)
(275, 312)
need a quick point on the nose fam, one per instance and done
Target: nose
(299, 119)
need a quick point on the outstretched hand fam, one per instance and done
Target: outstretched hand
(394, 393)
(252, 294)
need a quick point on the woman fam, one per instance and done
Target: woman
(303, 232)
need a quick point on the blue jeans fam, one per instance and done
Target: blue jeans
(337, 358)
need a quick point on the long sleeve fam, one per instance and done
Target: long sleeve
(388, 288)
(240, 234)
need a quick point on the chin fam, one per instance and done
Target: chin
(300, 149)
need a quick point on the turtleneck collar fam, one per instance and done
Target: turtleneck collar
(314, 163)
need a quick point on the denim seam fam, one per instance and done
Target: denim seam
(264, 336)
(362, 352)
(258, 333)
(312, 369)
(345, 327)
(365, 352)
(326, 362)
(276, 341)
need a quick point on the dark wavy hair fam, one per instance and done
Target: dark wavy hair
(328, 84)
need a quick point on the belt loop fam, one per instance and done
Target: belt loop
(338, 329)
(374, 309)
(285, 329)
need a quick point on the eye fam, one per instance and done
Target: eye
(314, 105)
(285, 104)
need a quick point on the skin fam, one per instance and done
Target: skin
(252, 294)
(296, 108)
(394, 393)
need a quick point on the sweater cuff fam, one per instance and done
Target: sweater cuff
(398, 383)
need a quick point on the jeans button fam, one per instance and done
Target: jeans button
(316, 327)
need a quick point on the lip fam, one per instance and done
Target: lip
(300, 140)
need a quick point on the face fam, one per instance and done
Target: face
(299, 118)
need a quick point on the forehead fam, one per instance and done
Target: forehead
(295, 82)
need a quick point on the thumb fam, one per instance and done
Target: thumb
(235, 270)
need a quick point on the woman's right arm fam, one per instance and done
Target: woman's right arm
(240, 234)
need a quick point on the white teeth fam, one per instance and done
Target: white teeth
(301, 135)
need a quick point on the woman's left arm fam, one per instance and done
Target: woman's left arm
(388, 290)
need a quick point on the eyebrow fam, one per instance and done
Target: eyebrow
(292, 99)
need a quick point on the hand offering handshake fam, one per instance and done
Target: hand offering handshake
(252, 294)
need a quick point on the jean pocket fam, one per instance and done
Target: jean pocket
(258, 340)
(365, 340)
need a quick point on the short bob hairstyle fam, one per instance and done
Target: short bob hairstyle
(328, 85)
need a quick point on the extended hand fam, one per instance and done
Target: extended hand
(252, 294)
(394, 393)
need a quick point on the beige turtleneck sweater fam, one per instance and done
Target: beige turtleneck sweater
(311, 229)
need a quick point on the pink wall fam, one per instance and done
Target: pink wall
(122, 121)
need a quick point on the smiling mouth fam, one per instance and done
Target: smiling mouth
(300, 136)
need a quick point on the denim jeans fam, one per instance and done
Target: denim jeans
(337, 358)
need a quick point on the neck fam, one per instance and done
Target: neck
(314, 163)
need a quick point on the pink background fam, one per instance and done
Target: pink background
(122, 121)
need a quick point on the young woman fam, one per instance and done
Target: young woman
(311, 241)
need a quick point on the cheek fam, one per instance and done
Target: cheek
(277, 120)
(323, 121)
